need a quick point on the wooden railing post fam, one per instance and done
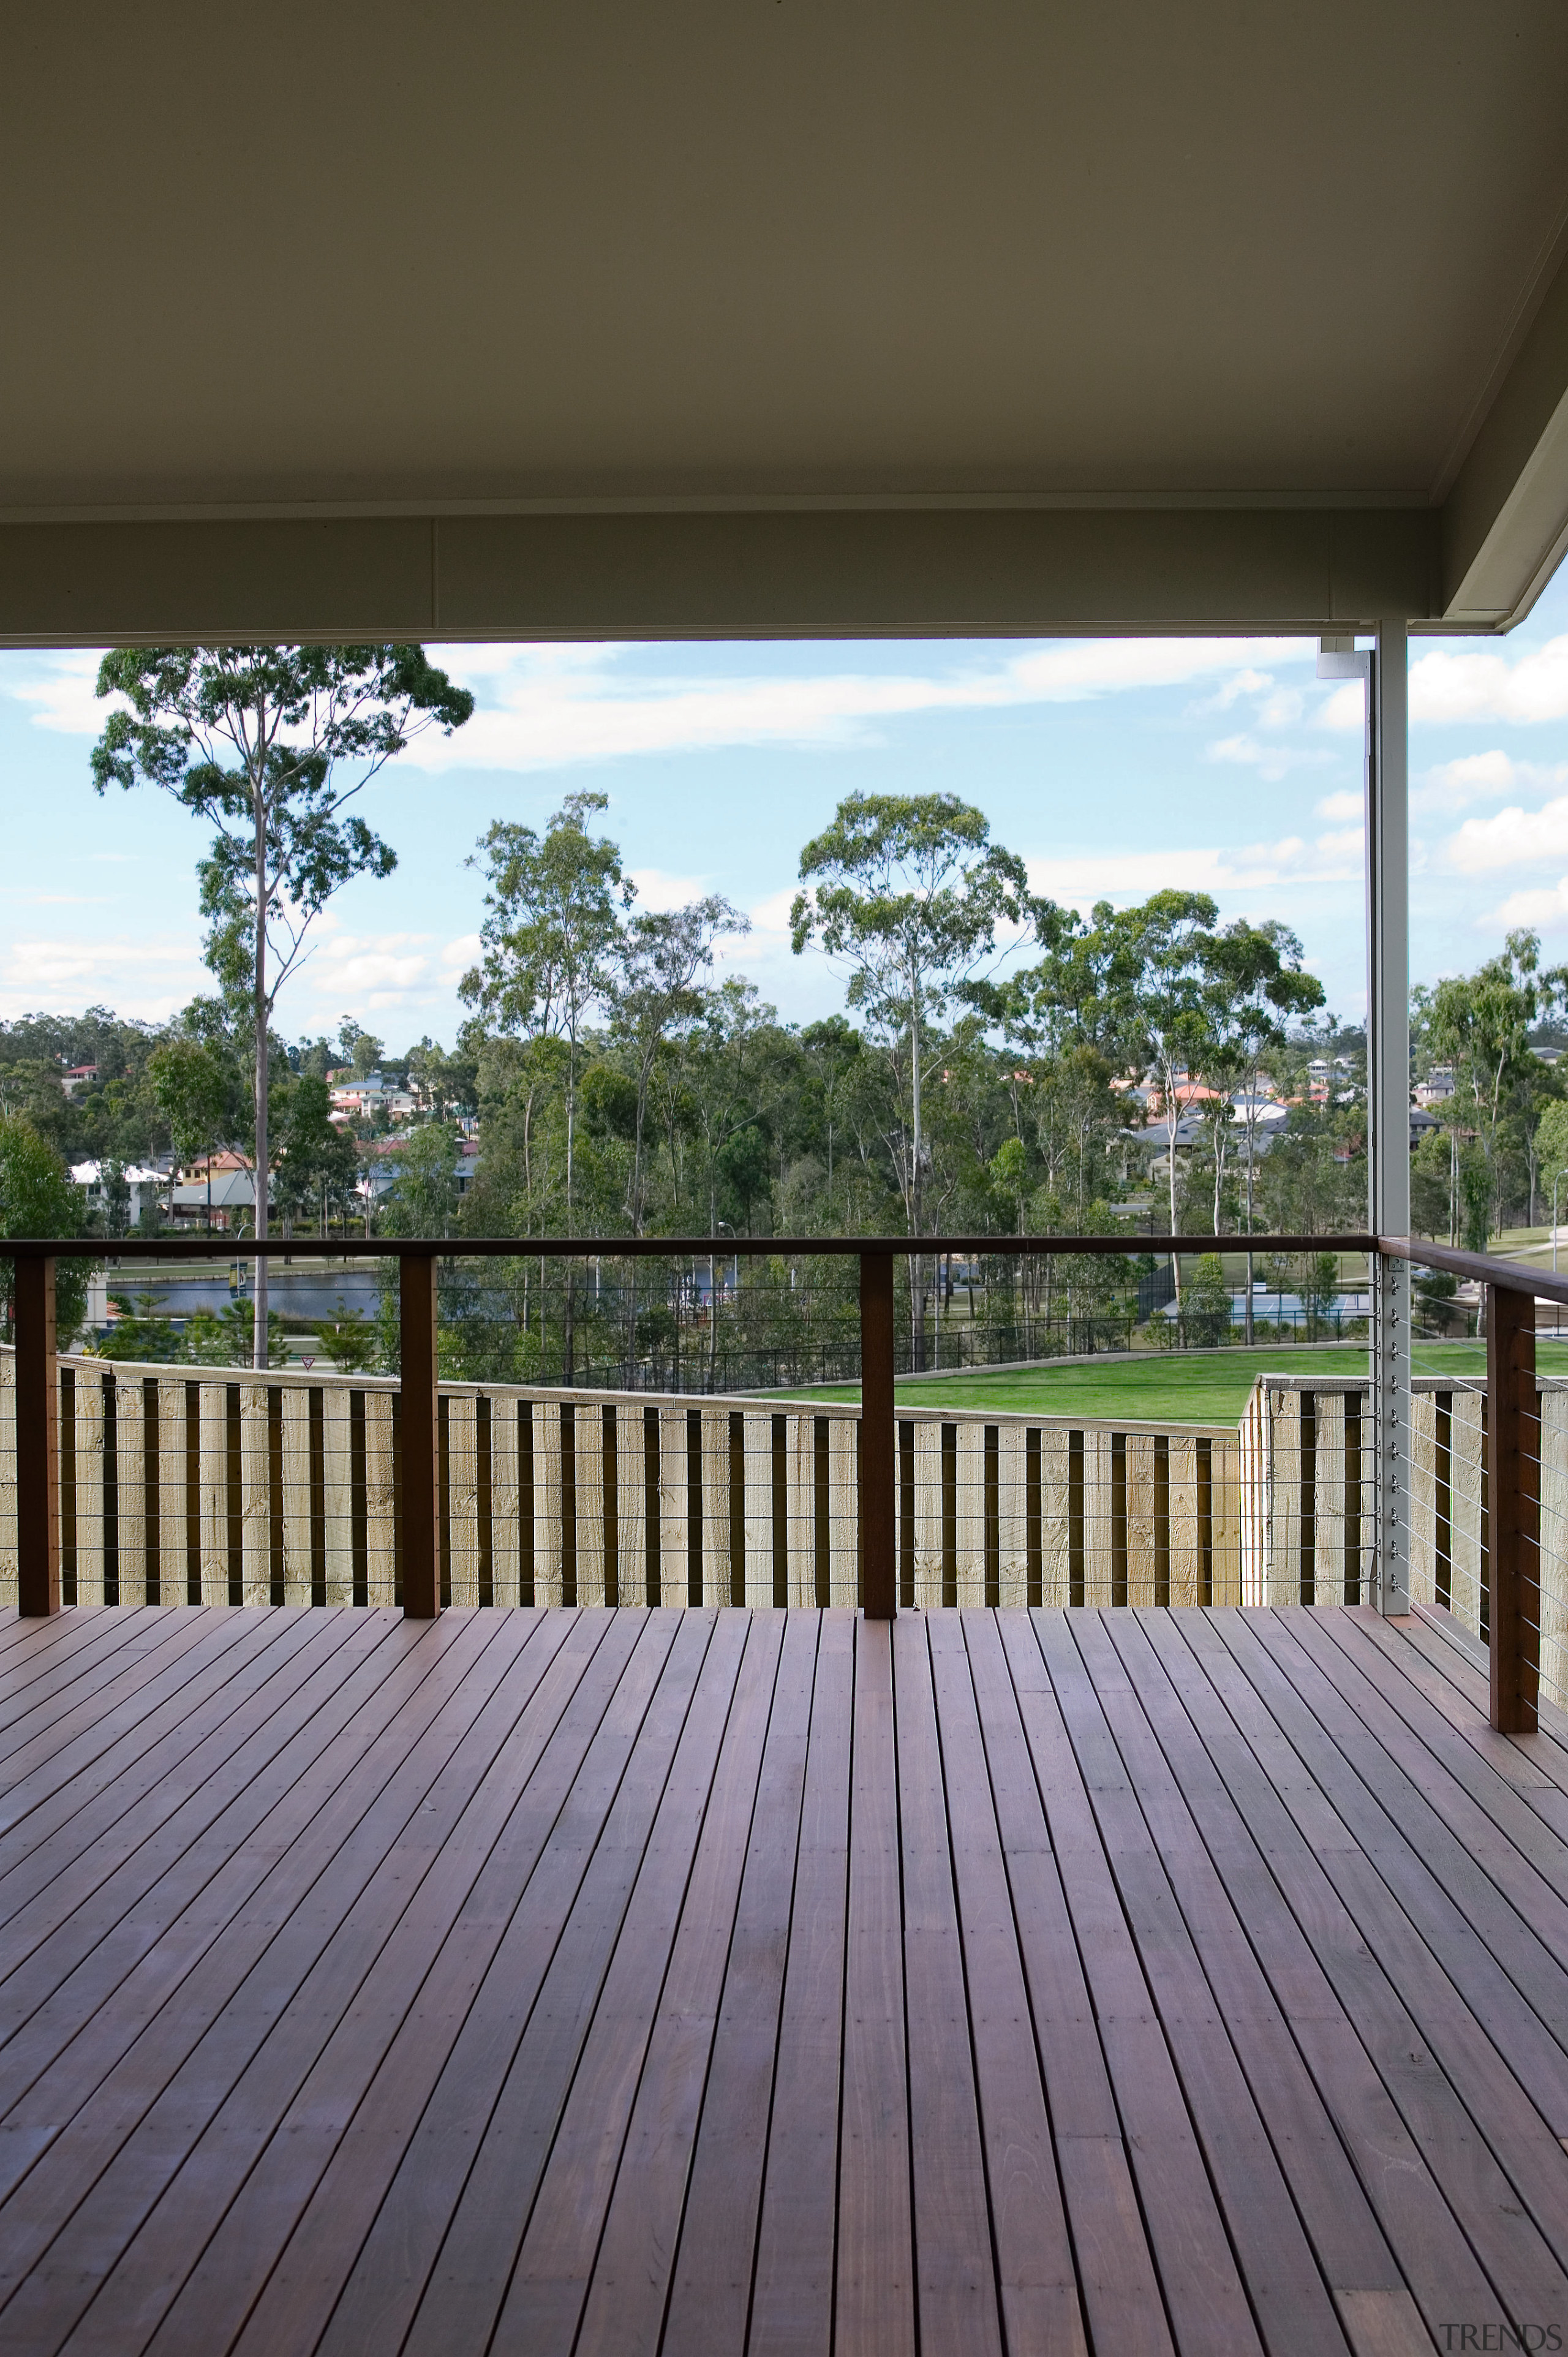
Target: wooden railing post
(420, 1481)
(877, 1439)
(37, 1437)
(1514, 1466)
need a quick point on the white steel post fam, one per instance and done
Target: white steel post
(1388, 1086)
(1388, 1102)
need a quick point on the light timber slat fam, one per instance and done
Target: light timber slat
(296, 1492)
(1012, 1534)
(1055, 1572)
(380, 1522)
(338, 1498)
(1251, 1516)
(757, 1440)
(588, 1455)
(1186, 1566)
(506, 1533)
(672, 1496)
(715, 1508)
(927, 1439)
(463, 1494)
(547, 1560)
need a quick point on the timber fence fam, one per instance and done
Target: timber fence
(126, 1484)
(241, 1488)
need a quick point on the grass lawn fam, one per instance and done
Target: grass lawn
(1171, 1388)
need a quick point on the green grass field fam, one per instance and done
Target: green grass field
(1171, 1389)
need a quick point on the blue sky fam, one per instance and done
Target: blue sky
(1113, 766)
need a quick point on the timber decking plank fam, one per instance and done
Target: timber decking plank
(1499, 1780)
(1037, 2280)
(1366, 1631)
(59, 1649)
(954, 2271)
(1288, 2294)
(1546, 1749)
(45, 1639)
(268, 1946)
(1529, 1865)
(1205, 2298)
(792, 2293)
(329, 2156)
(710, 2294)
(875, 2292)
(541, 2304)
(1357, 2046)
(209, 2127)
(513, 2042)
(1452, 2037)
(135, 1786)
(93, 1709)
(91, 1987)
(1215, 1873)
(1499, 1962)
(1421, 2038)
(1012, 1895)
(625, 2294)
(593, 2267)
(703, 1983)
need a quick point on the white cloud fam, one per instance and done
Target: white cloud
(1512, 839)
(1445, 688)
(147, 979)
(1346, 710)
(458, 955)
(1482, 777)
(657, 891)
(1271, 762)
(1343, 806)
(1078, 881)
(539, 711)
(60, 693)
(1245, 683)
(344, 964)
(1542, 911)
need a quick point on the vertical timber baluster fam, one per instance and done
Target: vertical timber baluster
(1514, 1451)
(420, 1444)
(37, 1437)
(878, 1438)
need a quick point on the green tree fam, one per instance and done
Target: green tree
(661, 955)
(360, 1051)
(269, 744)
(1479, 1025)
(141, 1333)
(36, 1198)
(318, 1161)
(351, 1339)
(1551, 1153)
(423, 1198)
(228, 1338)
(908, 889)
(552, 919)
(190, 1088)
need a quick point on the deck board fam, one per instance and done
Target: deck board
(713, 1981)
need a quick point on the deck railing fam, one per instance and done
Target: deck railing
(237, 1487)
(219, 1487)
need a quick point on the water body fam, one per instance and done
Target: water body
(291, 1292)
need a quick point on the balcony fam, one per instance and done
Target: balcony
(1076, 1966)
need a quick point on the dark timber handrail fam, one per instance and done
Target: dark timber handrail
(1514, 1553)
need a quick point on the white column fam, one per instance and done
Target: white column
(1388, 1103)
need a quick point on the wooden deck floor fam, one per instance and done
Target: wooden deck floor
(555, 1982)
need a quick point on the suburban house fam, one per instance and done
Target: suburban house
(147, 1187)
